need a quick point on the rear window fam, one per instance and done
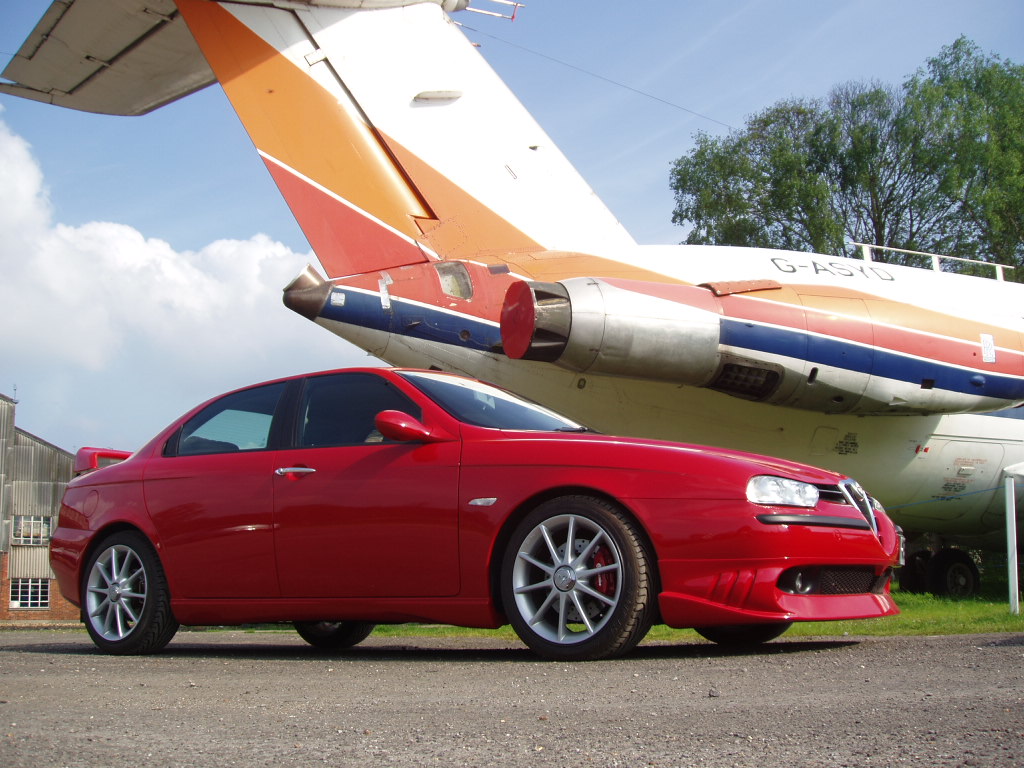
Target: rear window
(237, 422)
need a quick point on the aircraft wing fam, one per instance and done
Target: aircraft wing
(115, 58)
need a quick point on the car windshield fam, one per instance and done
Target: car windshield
(485, 406)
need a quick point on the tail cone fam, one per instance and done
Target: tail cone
(307, 293)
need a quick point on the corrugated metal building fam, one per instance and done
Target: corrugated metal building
(33, 474)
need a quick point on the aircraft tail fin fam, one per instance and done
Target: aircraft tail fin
(391, 139)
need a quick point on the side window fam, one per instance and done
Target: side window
(339, 409)
(238, 422)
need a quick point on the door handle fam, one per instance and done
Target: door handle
(294, 471)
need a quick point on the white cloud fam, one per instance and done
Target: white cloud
(108, 335)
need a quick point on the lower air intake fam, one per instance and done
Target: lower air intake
(832, 580)
(846, 581)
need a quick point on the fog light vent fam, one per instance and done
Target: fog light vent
(800, 581)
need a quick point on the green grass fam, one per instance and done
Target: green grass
(920, 615)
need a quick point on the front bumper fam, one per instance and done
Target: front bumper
(713, 594)
(742, 564)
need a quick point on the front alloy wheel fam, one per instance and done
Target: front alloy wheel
(125, 599)
(576, 581)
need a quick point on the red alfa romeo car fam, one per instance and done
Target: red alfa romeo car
(344, 499)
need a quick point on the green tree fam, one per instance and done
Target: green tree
(936, 165)
(973, 105)
(759, 187)
(878, 195)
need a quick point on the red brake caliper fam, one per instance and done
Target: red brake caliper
(604, 582)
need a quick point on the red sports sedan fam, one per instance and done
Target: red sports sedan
(344, 499)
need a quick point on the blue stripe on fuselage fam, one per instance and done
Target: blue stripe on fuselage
(407, 318)
(873, 361)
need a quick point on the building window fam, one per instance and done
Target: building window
(30, 593)
(31, 529)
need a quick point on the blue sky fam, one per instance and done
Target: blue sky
(143, 257)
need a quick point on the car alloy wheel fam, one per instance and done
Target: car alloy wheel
(576, 581)
(333, 635)
(738, 635)
(125, 599)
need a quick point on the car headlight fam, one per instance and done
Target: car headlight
(768, 489)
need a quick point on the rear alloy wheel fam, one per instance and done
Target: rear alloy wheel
(333, 635)
(576, 580)
(738, 635)
(125, 598)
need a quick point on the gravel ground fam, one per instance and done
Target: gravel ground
(256, 699)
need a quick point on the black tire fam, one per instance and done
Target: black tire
(738, 635)
(952, 573)
(333, 635)
(126, 603)
(577, 581)
(914, 573)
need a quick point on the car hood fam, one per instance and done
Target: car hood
(598, 450)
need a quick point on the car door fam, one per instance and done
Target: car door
(211, 498)
(357, 515)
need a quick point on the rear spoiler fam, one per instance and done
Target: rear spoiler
(90, 459)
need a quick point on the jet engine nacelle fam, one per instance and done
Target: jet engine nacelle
(588, 325)
(736, 339)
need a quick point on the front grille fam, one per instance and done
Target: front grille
(833, 580)
(850, 493)
(846, 581)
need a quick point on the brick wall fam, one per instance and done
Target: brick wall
(33, 474)
(59, 610)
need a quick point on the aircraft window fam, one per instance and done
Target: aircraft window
(455, 279)
(339, 409)
(238, 422)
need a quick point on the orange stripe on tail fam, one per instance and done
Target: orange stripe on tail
(298, 123)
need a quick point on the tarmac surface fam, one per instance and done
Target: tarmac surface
(237, 698)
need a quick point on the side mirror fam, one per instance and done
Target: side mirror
(402, 427)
